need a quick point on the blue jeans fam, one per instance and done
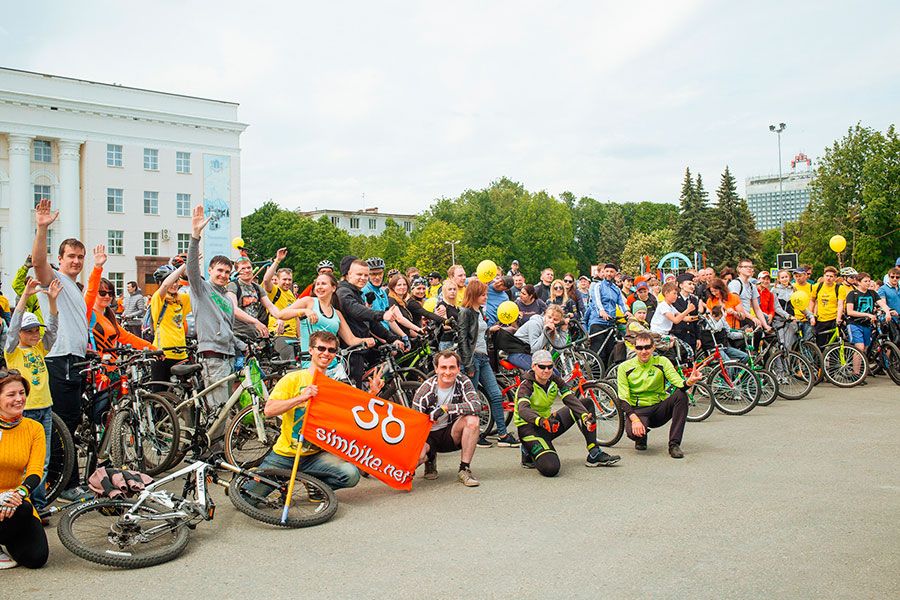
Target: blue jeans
(736, 354)
(520, 359)
(485, 376)
(807, 330)
(330, 469)
(44, 416)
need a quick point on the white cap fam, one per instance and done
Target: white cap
(29, 321)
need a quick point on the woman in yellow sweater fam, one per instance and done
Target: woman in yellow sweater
(22, 451)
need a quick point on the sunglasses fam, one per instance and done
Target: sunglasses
(557, 287)
(894, 277)
(7, 372)
(569, 280)
(543, 367)
(326, 349)
(644, 347)
(105, 293)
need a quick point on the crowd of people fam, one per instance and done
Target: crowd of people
(55, 322)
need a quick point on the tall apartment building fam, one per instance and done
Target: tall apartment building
(774, 201)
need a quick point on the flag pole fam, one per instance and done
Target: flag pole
(290, 493)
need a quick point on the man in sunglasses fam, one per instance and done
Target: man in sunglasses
(539, 424)
(642, 389)
(890, 293)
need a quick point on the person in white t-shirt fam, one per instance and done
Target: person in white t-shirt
(666, 315)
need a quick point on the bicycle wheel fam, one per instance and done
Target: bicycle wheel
(610, 420)
(97, 531)
(700, 402)
(62, 457)
(813, 355)
(486, 423)
(736, 389)
(591, 365)
(242, 444)
(768, 387)
(312, 502)
(188, 417)
(157, 425)
(795, 375)
(890, 360)
(838, 363)
(412, 374)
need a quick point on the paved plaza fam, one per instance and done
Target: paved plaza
(797, 500)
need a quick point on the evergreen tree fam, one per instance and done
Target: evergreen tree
(734, 234)
(691, 230)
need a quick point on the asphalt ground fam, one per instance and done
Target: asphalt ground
(797, 500)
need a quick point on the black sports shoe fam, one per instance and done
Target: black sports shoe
(675, 451)
(508, 441)
(640, 443)
(483, 442)
(597, 457)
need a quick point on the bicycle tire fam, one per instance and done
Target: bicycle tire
(62, 458)
(104, 552)
(700, 402)
(242, 446)
(305, 511)
(159, 450)
(610, 418)
(411, 374)
(796, 376)
(813, 354)
(768, 388)
(591, 365)
(837, 363)
(740, 395)
(187, 419)
(891, 357)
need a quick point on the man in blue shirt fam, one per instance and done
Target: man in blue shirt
(605, 296)
(497, 294)
(890, 292)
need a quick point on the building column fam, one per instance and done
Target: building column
(21, 232)
(69, 224)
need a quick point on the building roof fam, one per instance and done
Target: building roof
(352, 213)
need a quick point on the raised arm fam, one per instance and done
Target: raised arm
(198, 222)
(43, 218)
(273, 268)
(170, 279)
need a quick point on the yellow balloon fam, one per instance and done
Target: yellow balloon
(837, 243)
(486, 271)
(430, 304)
(507, 312)
(237, 243)
(800, 300)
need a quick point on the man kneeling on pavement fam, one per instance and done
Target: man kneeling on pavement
(539, 424)
(642, 389)
(450, 400)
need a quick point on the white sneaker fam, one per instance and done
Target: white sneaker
(6, 562)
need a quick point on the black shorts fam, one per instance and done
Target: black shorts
(442, 441)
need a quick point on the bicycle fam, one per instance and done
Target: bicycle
(840, 361)
(795, 375)
(154, 528)
(883, 354)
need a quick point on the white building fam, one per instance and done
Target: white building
(124, 166)
(362, 222)
(775, 201)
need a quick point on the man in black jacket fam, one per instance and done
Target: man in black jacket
(362, 320)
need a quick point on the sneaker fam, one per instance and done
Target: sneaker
(527, 461)
(431, 469)
(508, 441)
(675, 451)
(6, 561)
(641, 443)
(483, 442)
(466, 478)
(597, 457)
(76, 494)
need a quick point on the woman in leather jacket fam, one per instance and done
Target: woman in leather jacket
(472, 331)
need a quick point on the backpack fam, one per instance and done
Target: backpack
(147, 326)
(263, 313)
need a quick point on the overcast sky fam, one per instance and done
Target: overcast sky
(406, 102)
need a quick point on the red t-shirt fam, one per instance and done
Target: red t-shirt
(766, 301)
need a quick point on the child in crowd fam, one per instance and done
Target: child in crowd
(636, 324)
(718, 325)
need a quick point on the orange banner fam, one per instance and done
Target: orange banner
(380, 437)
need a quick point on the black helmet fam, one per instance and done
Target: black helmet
(434, 275)
(160, 274)
(376, 262)
(325, 264)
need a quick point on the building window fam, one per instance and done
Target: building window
(151, 159)
(183, 205)
(182, 162)
(113, 155)
(41, 151)
(182, 244)
(151, 203)
(114, 200)
(354, 222)
(118, 281)
(407, 225)
(115, 241)
(373, 224)
(151, 243)
(336, 221)
(50, 242)
(41, 192)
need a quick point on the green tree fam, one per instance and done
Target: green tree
(733, 228)
(613, 234)
(428, 249)
(691, 229)
(587, 218)
(655, 244)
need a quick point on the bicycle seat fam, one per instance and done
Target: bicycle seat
(186, 370)
(508, 365)
(278, 364)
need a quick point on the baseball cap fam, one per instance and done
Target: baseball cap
(515, 262)
(763, 274)
(642, 286)
(684, 277)
(434, 275)
(541, 357)
(30, 321)
(585, 277)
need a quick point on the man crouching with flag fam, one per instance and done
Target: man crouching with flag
(289, 400)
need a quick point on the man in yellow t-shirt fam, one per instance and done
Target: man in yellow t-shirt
(458, 274)
(279, 284)
(169, 308)
(289, 400)
(801, 277)
(827, 303)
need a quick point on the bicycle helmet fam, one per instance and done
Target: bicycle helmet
(376, 262)
(325, 264)
(162, 272)
(417, 281)
(848, 272)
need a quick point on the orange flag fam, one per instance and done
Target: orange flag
(380, 437)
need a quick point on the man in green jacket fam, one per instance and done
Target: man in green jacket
(642, 389)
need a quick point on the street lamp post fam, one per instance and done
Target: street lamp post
(777, 131)
(452, 245)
